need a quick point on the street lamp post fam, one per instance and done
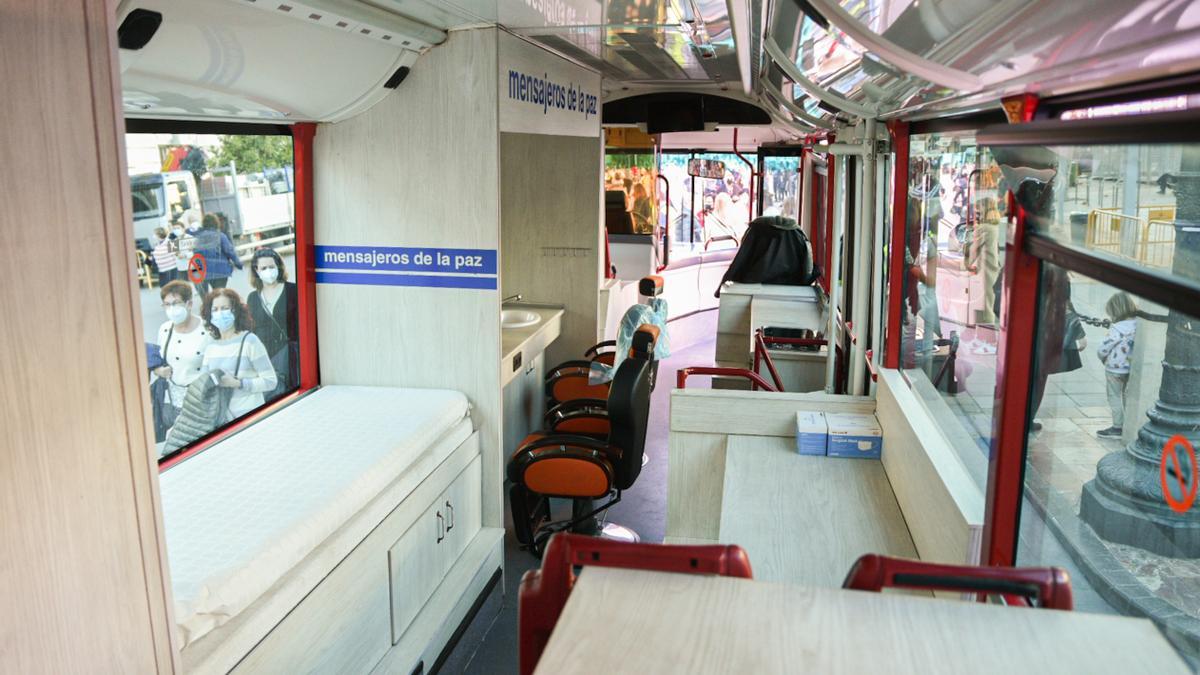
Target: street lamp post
(1125, 503)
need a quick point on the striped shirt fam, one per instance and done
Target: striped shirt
(256, 373)
(164, 257)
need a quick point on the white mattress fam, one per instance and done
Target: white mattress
(241, 514)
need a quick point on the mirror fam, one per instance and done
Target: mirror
(706, 168)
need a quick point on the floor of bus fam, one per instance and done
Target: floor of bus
(489, 644)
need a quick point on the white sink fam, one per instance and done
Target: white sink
(518, 318)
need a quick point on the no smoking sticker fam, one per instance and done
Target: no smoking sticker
(197, 268)
(1185, 484)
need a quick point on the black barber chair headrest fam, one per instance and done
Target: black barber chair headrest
(651, 286)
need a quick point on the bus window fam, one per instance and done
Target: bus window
(1110, 470)
(955, 234)
(726, 202)
(781, 186)
(217, 274)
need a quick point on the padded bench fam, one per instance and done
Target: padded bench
(256, 522)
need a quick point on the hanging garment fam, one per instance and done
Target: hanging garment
(774, 251)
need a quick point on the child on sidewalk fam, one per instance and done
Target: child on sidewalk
(1115, 352)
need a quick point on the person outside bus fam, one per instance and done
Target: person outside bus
(164, 257)
(220, 257)
(182, 243)
(182, 341)
(273, 304)
(1114, 352)
(236, 357)
(642, 211)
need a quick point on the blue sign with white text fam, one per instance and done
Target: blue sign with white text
(395, 259)
(428, 266)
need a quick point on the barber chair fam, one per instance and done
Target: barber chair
(568, 381)
(585, 468)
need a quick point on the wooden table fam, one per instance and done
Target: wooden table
(625, 621)
(805, 520)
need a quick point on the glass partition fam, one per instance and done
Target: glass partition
(214, 234)
(1111, 474)
(955, 234)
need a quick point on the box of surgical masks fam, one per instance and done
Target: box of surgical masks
(854, 435)
(812, 433)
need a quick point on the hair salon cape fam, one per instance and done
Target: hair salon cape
(637, 316)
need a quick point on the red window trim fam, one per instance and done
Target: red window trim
(896, 268)
(1014, 363)
(830, 170)
(302, 172)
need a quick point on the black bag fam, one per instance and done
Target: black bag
(774, 251)
(1071, 343)
(162, 407)
(226, 394)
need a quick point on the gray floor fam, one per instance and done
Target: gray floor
(489, 645)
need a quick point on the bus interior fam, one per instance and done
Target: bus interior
(743, 335)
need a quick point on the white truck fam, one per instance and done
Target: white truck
(259, 207)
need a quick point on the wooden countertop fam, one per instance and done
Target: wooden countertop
(652, 622)
(531, 340)
(805, 519)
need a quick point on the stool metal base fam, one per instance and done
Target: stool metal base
(619, 533)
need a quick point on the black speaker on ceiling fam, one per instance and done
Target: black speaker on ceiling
(138, 28)
(397, 77)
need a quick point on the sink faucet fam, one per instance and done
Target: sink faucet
(511, 298)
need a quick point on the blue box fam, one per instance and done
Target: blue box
(812, 433)
(854, 435)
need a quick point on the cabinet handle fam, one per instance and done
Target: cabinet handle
(441, 526)
(451, 508)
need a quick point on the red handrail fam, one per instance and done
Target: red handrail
(871, 366)
(760, 354)
(753, 173)
(756, 380)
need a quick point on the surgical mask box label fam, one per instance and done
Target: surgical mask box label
(854, 435)
(812, 433)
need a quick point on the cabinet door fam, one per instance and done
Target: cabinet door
(535, 402)
(416, 566)
(463, 504)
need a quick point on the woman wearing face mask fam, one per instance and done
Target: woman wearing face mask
(236, 357)
(273, 308)
(182, 341)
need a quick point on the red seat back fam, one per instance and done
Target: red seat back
(544, 592)
(1048, 587)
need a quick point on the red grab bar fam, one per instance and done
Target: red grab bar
(756, 380)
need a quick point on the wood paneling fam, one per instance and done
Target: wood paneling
(942, 504)
(419, 169)
(695, 484)
(550, 230)
(701, 419)
(805, 520)
(698, 624)
(81, 575)
(753, 413)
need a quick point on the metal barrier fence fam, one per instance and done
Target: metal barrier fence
(1152, 240)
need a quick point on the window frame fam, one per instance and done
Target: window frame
(305, 274)
(1030, 249)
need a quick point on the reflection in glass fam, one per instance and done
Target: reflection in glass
(1114, 380)
(955, 234)
(1121, 201)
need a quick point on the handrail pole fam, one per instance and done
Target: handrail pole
(666, 244)
(753, 174)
